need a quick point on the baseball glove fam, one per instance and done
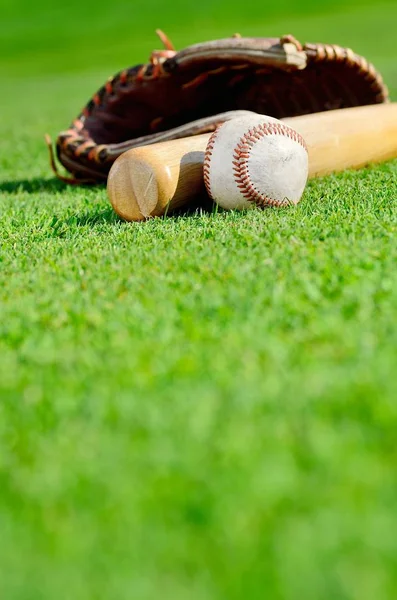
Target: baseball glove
(178, 94)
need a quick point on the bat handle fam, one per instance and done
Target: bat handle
(151, 180)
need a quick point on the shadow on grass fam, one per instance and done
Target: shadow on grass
(203, 204)
(98, 214)
(32, 186)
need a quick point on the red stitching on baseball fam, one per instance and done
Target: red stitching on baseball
(242, 154)
(207, 160)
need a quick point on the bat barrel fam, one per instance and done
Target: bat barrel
(151, 180)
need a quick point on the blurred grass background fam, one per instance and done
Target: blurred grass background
(46, 37)
(201, 407)
(42, 40)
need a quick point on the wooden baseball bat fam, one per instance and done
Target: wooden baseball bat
(154, 180)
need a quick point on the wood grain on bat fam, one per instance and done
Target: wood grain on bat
(349, 138)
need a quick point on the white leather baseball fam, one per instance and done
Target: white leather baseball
(255, 161)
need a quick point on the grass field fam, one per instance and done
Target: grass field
(201, 407)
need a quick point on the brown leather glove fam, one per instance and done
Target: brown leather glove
(178, 94)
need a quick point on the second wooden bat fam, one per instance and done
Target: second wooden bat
(152, 180)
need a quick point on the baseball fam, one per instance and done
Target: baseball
(255, 161)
